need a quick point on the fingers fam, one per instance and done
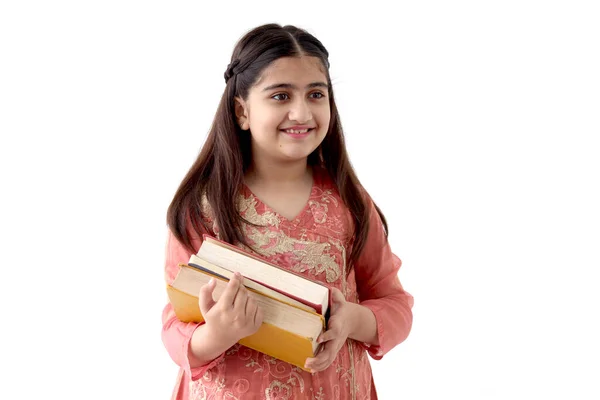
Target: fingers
(258, 317)
(337, 295)
(251, 307)
(334, 330)
(231, 290)
(254, 313)
(327, 336)
(333, 341)
(337, 299)
(240, 301)
(324, 359)
(205, 299)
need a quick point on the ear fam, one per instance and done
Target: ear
(241, 113)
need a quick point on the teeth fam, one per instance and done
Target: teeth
(296, 131)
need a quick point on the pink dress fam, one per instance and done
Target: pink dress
(315, 244)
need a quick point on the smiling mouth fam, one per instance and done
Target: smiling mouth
(297, 131)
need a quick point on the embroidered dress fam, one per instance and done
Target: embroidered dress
(315, 244)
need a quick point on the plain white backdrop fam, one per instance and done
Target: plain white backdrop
(473, 124)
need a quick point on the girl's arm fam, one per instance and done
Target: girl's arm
(185, 341)
(383, 318)
(233, 317)
(381, 293)
(205, 346)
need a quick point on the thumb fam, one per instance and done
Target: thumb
(337, 298)
(205, 299)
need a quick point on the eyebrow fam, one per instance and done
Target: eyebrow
(290, 86)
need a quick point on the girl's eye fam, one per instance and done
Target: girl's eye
(317, 95)
(281, 96)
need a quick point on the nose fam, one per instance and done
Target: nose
(300, 111)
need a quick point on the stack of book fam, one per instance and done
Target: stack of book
(294, 307)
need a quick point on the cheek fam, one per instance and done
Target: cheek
(268, 119)
(323, 116)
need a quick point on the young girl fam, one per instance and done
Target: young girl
(274, 178)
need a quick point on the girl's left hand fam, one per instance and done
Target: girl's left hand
(340, 323)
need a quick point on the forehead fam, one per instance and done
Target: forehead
(295, 70)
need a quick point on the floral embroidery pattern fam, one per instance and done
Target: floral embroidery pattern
(278, 391)
(314, 244)
(306, 255)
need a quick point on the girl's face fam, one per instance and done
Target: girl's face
(287, 110)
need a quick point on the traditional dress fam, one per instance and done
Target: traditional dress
(315, 244)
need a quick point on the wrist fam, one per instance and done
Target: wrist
(206, 345)
(363, 324)
(219, 337)
(353, 320)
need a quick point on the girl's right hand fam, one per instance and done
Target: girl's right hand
(234, 316)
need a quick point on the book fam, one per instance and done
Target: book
(295, 307)
(288, 332)
(217, 271)
(295, 286)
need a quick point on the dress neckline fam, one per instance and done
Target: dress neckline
(298, 218)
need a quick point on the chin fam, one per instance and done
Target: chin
(295, 155)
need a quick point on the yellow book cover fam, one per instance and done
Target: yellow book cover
(288, 332)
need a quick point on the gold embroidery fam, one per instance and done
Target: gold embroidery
(342, 250)
(296, 248)
(241, 385)
(318, 396)
(278, 391)
(205, 208)
(320, 208)
(197, 391)
(296, 376)
(315, 258)
(353, 386)
(220, 384)
(327, 196)
(349, 343)
(319, 211)
(260, 239)
(247, 207)
(209, 215)
(264, 237)
(306, 255)
(207, 377)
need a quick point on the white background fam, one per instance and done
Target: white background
(473, 124)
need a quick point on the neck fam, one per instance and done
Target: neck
(277, 173)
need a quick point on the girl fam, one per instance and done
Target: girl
(273, 177)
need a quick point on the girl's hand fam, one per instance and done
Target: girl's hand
(234, 316)
(340, 322)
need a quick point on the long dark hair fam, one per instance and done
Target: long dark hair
(218, 172)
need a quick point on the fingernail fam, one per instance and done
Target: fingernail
(211, 281)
